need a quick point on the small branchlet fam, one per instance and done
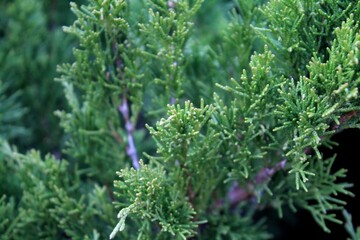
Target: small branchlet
(151, 195)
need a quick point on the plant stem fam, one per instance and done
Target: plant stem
(238, 194)
(129, 126)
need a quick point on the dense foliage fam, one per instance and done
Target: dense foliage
(189, 119)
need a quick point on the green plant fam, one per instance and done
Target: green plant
(31, 45)
(206, 132)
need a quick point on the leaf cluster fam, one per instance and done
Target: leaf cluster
(31, 44)
(45, 199)
(229, 125)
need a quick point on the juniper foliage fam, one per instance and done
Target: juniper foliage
(31, 45)
(210, 113)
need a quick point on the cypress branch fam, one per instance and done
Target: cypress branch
(212, 114)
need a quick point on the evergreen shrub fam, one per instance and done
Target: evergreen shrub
(175, 119)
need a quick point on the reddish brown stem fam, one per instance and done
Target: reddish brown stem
(238, 194)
